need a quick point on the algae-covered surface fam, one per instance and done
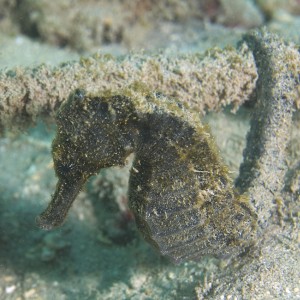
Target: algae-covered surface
(99, 253)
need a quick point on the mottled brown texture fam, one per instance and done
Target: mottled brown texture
(203, 82)
(7, 24)
(264, 168)
(270, 7)
(179, 190)
(86, 25)
(271, 268)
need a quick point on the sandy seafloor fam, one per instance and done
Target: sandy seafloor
(98, 253)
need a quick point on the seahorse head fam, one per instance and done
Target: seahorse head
(92, 133)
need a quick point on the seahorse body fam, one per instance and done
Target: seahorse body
(179, 190)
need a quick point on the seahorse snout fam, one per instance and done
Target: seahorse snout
(60, 204)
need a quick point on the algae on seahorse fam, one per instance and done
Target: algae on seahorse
(179, 190)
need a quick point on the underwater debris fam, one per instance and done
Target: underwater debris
(179, 190)
(264, 167)
(272, 265)
(205, 82)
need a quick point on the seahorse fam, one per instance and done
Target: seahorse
(180, 193)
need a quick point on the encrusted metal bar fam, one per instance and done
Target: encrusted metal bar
(264, 167)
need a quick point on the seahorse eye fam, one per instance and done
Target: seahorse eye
(79, 95)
